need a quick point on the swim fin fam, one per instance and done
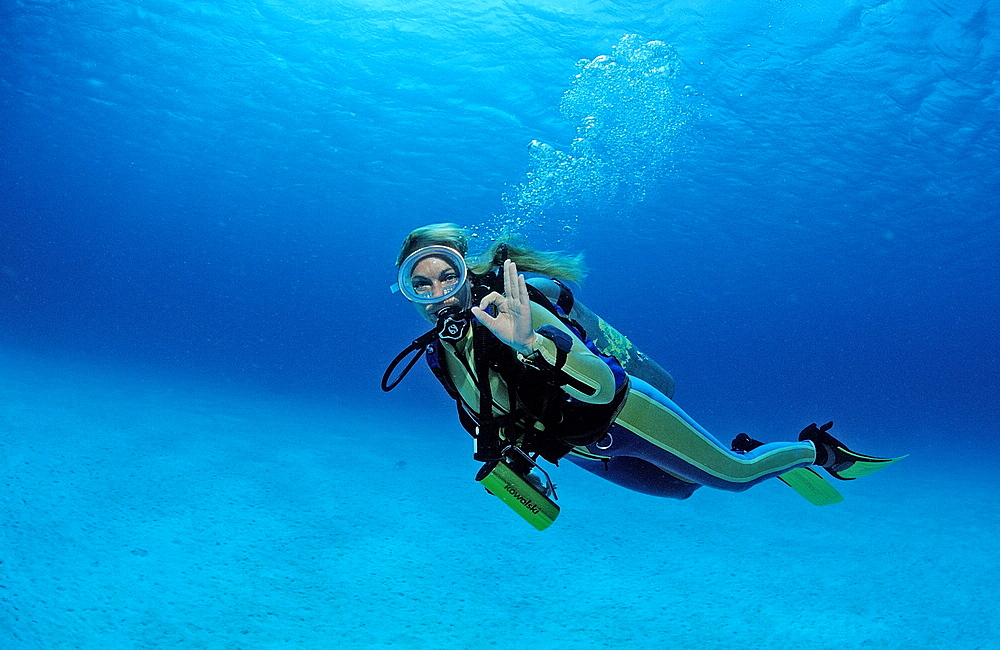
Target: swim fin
(860, 465)
(813, 487)
(837, 459)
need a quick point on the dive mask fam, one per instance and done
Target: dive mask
(419, 289)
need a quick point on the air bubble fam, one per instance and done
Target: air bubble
(631, 115)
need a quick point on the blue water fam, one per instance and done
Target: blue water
(792, 206)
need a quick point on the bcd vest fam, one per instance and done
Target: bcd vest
(543, 418)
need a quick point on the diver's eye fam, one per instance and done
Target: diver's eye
(421, 285)
(449, 279)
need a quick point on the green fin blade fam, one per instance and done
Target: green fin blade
(811, 486)
(863, 465)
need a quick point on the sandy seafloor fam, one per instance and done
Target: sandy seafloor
(140, 511)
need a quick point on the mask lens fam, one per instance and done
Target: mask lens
(431, 274)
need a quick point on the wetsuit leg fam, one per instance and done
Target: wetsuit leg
(635, 474)
(651, 427)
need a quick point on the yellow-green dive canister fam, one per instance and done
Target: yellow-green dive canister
(519, 495)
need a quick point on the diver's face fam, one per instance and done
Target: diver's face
(433, 277)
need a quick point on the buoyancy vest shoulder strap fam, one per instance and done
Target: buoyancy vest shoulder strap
(566, 300)
(488, 440)
(434, 363)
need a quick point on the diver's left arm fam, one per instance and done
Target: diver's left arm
(543, 341)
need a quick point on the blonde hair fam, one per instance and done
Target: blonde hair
(554, 264)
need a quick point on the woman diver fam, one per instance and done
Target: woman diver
(535, 374)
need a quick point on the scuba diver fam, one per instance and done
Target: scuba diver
(536, 375)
